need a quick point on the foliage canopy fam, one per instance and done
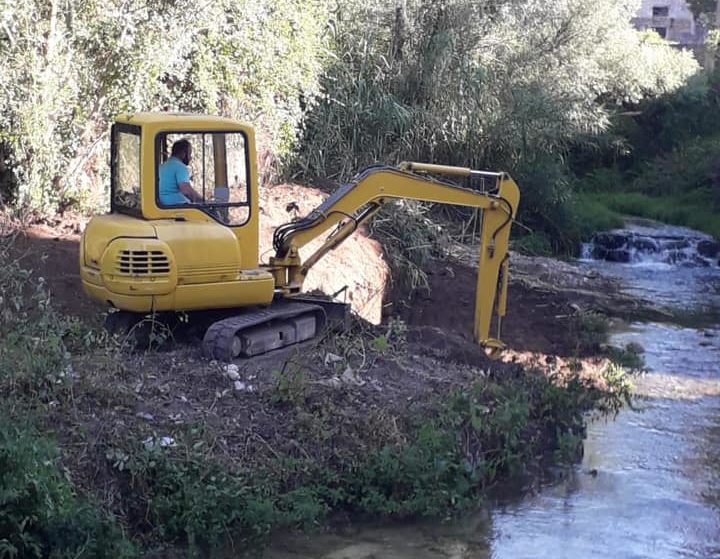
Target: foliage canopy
(332, 86)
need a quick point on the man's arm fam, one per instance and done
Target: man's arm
(183, 180)
(187, 189)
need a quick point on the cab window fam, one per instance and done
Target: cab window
(125, 168)
(217, 171)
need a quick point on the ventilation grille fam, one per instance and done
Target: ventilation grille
(143, 262)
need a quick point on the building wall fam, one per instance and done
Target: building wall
(672, 19)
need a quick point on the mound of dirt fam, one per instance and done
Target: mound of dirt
(357, 266)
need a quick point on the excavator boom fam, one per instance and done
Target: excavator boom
(356, 202)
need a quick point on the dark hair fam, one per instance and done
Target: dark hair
(181, 146)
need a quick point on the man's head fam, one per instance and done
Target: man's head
(182, 150)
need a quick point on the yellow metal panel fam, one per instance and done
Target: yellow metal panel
(134, 303)
(91, 275)
(180, 121)
(205, 251)
(433, 168)
(246, 292)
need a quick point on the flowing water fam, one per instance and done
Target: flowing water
(649, 483)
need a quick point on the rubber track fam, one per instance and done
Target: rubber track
(218, 340)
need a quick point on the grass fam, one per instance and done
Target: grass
(678, 186)
(694, 209)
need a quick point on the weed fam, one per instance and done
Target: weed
(569, 447)
(590, 330)
(410, 238)
(628, 357)
(192, 500)
(39, 514)
(362, 345)
(694, 209)
(618, 390)
(533, 244)
(424, 477)
(289, 385)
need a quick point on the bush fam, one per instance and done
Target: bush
(69, 68)
(550, 207)
(39, 514)
(533, 244)
(604, 179)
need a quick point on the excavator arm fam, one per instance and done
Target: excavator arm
(358, 201)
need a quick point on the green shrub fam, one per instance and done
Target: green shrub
(40, 516)
(410, 238)
(560, 218)
(590, 216)
(424, 477)
(590, 331)
(190, 499)
(479, 432)
(603, 179)
(535, 243)
(629, 357)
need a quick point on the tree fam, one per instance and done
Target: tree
(69, 66)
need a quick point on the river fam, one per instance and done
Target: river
(649, 482)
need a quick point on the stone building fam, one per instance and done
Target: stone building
(672, 19)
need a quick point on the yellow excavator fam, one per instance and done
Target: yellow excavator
(153, 254)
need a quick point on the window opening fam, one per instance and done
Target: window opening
(217, 171)
(125, 168)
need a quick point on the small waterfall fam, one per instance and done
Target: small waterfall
(645, 245)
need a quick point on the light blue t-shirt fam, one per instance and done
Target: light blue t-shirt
(172, 173)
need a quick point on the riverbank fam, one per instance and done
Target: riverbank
(405, 419)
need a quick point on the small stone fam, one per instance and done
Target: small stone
(232, 371)
(349, 376)
(331, 358)
(240, 385)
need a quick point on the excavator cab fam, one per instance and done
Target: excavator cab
(219, 171)
(158, 255)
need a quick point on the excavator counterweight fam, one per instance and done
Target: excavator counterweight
(154, 255)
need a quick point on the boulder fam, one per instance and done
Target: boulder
(674, 244)
(644, 244)
(619, 255)
(611, 240)
(708, 249)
